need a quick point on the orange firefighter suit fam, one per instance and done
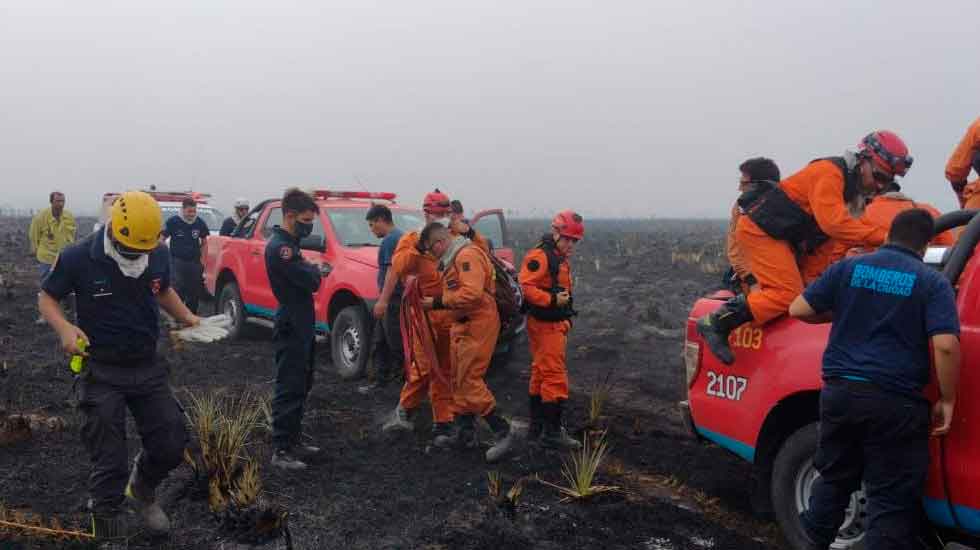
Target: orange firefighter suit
(734, 252)
(422, 378)
(468, 298)
(959, 164)
(548, 339)
(819, 190)
(882, 211)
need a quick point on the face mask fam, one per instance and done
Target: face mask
(131, 268)
(190, 220)
(443, 221)
(303, 230)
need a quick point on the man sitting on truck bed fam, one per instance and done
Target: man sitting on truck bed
(886, 308)
(803, 216)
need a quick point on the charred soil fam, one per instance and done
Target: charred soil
(634, 284)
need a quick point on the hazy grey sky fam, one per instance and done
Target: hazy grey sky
(612, 108)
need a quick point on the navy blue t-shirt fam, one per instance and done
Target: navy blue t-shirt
(385, 254)
(185, 238)
(119, 314)
(886, 305)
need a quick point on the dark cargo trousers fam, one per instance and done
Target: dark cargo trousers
(881, 438)
(294, 346)
(388, 350)
(104, 393)
(188, 282)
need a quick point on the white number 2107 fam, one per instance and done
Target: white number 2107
(726, 387)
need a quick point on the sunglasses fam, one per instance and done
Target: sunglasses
(128, 253)
(881, 177)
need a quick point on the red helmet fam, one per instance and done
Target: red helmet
(436, 202)
(888, 152)
(569, 224)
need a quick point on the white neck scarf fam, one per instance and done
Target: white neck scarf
(454, 247)
(130, 268)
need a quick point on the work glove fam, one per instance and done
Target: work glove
(210, 329)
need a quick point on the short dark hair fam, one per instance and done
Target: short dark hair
(912, 229)
(52, 195)
(299, 201)
(378, 212)
(188, 202)
(431, 231)
(760, 169)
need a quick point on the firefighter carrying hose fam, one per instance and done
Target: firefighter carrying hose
(547, 283)
(789, 231)
(119, 275)
(427, 375)
(467, 297)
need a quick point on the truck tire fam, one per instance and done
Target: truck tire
(792, 479)
(230, 303)
(350, 341)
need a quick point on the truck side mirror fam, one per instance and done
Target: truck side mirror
(317, 243)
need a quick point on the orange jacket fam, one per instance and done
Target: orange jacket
(884, 208)
(468, 284)
(819, 190)
(959, 163)
(408, 261)
(535, 278)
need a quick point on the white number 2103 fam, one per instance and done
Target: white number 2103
(726, 387)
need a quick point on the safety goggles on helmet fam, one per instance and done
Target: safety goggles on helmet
(898, 163)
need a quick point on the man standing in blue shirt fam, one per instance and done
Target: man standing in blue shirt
(293, 281)
(121, 277)
(388, 352)
(187, 234)
(886, 308)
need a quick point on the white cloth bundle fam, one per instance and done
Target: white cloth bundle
(209, 330)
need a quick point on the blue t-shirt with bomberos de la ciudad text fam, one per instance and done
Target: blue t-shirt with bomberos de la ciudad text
(886, 305)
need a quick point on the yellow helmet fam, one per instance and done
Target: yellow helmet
(136, 220)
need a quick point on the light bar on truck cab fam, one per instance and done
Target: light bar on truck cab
(167, 196)
(322, 194)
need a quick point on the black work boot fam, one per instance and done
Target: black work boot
(715, 327)
(466, 432)
(554, 435)
(503, 436)
(110, 529)
(444, 435)
(537, 419)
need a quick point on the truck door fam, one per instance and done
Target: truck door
(492, 225)
(257, 292)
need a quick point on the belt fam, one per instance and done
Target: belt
(111, 356)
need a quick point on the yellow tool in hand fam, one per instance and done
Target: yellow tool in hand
(78, 361)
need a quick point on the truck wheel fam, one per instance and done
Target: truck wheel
(793, 475)
(230, 303)
(350, 341)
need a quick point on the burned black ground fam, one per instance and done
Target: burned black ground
(635, 282)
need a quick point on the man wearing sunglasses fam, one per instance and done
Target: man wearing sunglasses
(790, 231)
(120, 274)
(964, 157)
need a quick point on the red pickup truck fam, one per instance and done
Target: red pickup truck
(235, 267)
(764, 407)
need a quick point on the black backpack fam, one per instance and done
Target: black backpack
(507, 294)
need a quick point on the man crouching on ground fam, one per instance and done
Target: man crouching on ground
(468, 294)
(119, 275)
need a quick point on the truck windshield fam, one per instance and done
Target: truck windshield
(352, 229)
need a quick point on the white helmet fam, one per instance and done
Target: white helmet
(241, 203)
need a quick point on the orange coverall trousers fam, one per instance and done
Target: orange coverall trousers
(423, 381)
(549, 375)
(774, 265)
